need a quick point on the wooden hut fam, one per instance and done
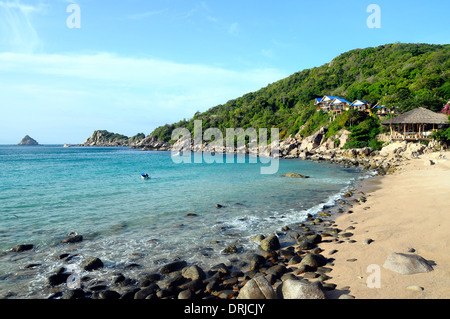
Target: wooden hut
(416, 125)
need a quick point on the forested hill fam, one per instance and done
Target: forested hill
(404, 75)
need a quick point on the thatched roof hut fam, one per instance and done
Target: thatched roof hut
(420, 115)
(416, 124)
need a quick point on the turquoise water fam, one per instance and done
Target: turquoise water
(48, 191)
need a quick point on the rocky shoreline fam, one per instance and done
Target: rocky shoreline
(295, 271)
(273, 271)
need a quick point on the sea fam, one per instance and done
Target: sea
(185, 211)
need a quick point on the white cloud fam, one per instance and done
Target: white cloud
(147, 14)
(107, 91)
(17, 33)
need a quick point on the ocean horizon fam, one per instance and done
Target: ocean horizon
(184, 211)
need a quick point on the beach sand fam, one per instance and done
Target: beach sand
(408, 209)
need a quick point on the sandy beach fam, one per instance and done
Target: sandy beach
(406, 212)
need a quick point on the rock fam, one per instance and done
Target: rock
(221, 268)
(28, 141)
(105, 138)
(414, 288)
(186, 294)
(270, 243)
(277, 270)
(367, 241)
(73, 294)
(305, 244)
(407, 264)
(109, 294)
(257, 288)
(57, 279)
(295, 175)
(176, 279)
(145, 292)
(313, 260)
(257, 238)
(301, 289)
(256, 261)
(193, 272)
(174, 266)
(193, 285)
(231, 249)
(21, 248)
(92, 263)
(72, 239)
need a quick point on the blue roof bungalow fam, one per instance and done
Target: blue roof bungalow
(324, 103)
(361, 106)
(339, 105)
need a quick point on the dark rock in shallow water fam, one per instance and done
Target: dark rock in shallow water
(174, 266)
(57, 279)
(295, 175)
(72, 239)
(232, 249)
(92, 263)
(21, 248)
(73, 294)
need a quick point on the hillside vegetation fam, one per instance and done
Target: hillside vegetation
(404, 75)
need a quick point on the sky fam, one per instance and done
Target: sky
(68, 68)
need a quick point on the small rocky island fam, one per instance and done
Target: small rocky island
(28, 141)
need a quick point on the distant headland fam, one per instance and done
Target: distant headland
(28, 141)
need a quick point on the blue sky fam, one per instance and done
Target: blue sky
(135, 65)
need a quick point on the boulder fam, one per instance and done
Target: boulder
(256, 261)
(21, 248)
(257, 288)
(313, 260)
(58, 279)
(270, 243)
(193, 272)
(407, 264)
(92, 263)
(301, 289)
(231, 249)
(171, 267)
(72, 239)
